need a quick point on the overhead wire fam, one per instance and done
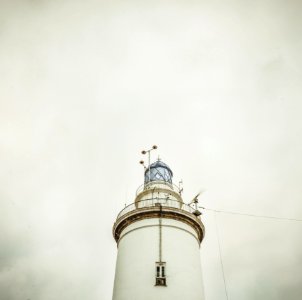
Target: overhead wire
(241, 214)
(220, 256)
(251, 215)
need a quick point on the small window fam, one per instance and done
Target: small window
(160, 274)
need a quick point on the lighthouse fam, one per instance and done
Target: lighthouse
(158, 238)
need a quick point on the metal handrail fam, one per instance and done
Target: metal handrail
(153, 203)
(150, 185)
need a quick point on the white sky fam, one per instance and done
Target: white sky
(86, 85)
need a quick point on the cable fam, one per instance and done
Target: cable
(219, 247)
(251, 215)
(241, 214)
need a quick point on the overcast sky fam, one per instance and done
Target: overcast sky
(86, 85)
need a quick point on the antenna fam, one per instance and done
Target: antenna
(180, 187)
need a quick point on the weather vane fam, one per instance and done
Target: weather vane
(154, 147)
(196, 201)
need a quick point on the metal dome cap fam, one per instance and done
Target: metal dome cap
(158, 171)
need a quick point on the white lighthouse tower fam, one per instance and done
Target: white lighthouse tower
(158, 238)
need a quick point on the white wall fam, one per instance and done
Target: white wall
(138, 251)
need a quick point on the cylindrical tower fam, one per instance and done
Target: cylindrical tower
(158, 238)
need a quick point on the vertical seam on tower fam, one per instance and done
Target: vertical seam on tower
(160, 233)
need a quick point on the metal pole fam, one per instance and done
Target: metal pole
(160, 233)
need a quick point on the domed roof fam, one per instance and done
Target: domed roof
(158, 171)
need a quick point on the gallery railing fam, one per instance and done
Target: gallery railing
(156, 202)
